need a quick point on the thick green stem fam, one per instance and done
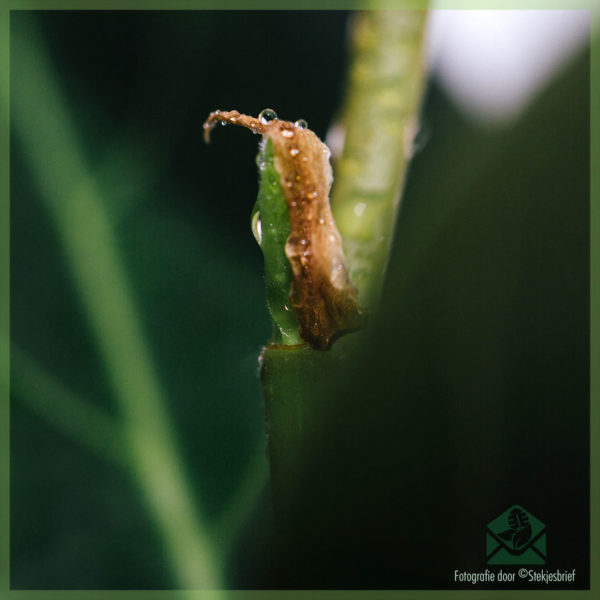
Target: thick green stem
(295, 384)
(380, 118)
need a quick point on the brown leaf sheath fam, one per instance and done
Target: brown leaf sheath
(322, 294)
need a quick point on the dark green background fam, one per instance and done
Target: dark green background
(472, 395)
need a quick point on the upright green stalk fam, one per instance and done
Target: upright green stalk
(385, 87)
(295, 381)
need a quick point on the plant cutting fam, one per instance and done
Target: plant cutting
(325, 261)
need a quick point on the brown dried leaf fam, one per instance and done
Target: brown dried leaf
(322, 294)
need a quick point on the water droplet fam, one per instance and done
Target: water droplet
(287, 133)
(301, 124)
(286, 307)
(312, 195)
(260, 161)
(305, 159)
(266, 115)
(321, 221)
(359, 208)
(294, 203)
(294, 151)
(303, 242)
(257, 227)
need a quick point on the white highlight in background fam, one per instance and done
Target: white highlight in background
(493, 62)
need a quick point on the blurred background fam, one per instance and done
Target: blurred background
(137, 307)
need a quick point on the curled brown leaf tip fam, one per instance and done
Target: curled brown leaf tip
(325, 300)
(232, 117)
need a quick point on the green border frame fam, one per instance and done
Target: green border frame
(6, 6)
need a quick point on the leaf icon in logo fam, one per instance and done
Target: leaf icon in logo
(520, 528)
(522, 537)
(507, 535)
(518, 519)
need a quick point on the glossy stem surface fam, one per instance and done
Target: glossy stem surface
(380, 118)
(274, 223)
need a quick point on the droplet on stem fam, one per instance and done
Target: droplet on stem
(267, 115)
(359, 208)
(301, 124)
(257, 227)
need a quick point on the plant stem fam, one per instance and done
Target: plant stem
(385, 87)
(78, 210)
(386, 80)
(50, 399)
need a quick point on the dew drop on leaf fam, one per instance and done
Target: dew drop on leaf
(266, 115)
(301, 124)
(257, 227)
(359, 208)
